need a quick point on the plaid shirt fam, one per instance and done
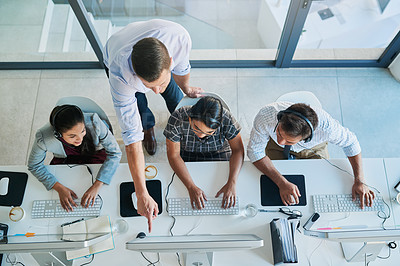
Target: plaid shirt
(209, 148)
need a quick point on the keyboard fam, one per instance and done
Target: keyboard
(53, 209)
(344, 203)
(182, 207)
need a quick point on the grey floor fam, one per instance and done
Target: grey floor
(364, 100)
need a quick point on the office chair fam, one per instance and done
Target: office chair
(306, 97)
(87, 106)
(187, 101)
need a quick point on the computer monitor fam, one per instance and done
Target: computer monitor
(46, 243)
(49, 249)
(196, 249)
(383, 4)
(359, 245)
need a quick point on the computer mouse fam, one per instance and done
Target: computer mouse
(134, 200)
(4, 186)
(141, 235)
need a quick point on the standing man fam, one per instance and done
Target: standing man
(284, 130)
(143, 56)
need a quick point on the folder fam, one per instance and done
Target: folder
(282, 237)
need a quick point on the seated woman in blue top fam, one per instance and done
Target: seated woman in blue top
(74, 137)
(205, 132)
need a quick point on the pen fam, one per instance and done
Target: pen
(343, 227)
(72, 222)
(27, 234)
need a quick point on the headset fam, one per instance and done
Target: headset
(288, 111)
(60, 110)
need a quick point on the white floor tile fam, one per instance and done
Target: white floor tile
(370, 109)
(17, 106)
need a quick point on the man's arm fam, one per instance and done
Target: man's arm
(146, 205)
(183, 83)
(287, 190)
(359, 187)
(235, 164)
(197, 196)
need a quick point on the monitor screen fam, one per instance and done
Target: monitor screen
(383, 4)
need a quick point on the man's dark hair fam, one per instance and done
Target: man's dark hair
(65, 117)
(149, 58)
(294, 125)
(209, 111)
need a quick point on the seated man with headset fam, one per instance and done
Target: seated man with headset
(283, 130)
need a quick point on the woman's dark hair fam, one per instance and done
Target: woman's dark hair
(209, 111)
(65, 117)
(294, 125)
(149, 58)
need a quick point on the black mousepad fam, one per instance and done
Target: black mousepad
(16, 188)
(125, 200)
(270, 192)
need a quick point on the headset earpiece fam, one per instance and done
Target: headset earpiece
(57, 134)
(288, 111)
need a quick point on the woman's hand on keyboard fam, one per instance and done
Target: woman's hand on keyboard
(90, 195)
(366, 195)
(229, 199)
(66, 196)
(197, 197)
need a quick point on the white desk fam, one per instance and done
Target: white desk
(321, 178)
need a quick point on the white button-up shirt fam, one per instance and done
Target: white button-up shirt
(123, 80)
(328, 129)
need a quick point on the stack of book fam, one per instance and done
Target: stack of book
(282, 236)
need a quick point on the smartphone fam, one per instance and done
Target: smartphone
(3, 238)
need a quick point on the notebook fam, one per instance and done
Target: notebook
(95, 225)
(270, 192)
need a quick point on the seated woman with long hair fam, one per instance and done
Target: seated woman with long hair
(205, 132)
(74, 137)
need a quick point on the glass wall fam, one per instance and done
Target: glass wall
(229, 33)
(348, 29)
(220, 29)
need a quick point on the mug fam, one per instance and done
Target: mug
(16, 214)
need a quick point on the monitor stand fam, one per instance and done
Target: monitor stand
(58, 258)
(198, 258)
(367, 251)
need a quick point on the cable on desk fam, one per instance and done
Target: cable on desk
(166, 204)
(13, 262)
(149, 261)
(337, 167)
(174, 219)
(91, 260)
(196, 225)
(312, 252)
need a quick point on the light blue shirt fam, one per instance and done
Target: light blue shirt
(125, 83)
(328, 130)
(46, 141)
